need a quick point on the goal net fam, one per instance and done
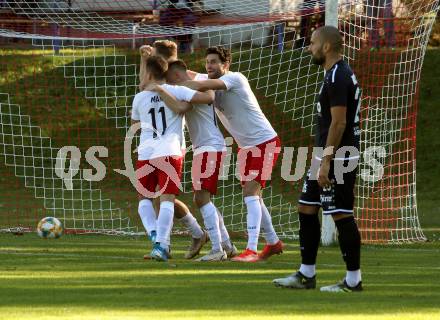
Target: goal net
(69, 72)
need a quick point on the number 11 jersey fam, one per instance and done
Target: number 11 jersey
(161, 128)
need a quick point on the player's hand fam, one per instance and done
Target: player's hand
(323, 179)
(146, 51)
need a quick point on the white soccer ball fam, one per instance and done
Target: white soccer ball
(50, 227)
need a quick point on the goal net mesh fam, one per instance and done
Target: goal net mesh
(69, 72)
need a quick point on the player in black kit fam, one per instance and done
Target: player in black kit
(337, 125)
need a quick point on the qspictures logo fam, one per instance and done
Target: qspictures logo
(346, 159)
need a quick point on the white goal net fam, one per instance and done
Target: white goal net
(69, 72)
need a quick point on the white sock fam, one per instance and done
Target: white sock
(165, 223)
(309, 270)
(192, 225)
(147, 214)
(353, 278)
(210, 217)
(253, 221)
(266, 225)
(225, 239)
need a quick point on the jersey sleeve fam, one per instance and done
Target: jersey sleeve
(338, 87)
(181, 93)
(231, 80)
(135, 109)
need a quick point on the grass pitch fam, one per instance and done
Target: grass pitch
(102, 277)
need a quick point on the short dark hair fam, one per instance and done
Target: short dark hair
(165, 48)
(157, 67)
(223, 53)
(331, 35)
(178, 64)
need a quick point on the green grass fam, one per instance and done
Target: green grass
(101, 277)
(428, 142)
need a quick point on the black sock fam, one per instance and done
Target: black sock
(309, 237)
(349, 242)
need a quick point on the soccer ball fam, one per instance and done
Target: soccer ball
(50, 227)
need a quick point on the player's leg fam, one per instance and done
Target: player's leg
(262, 165)
(273, 243)
(251, 196)
(169, 182)
(161, 248)
(270, 151)
(205, 172)
(227, 245)
(202, 199)
(145, 208)
(198, 236)
(309, 238)
(148, 216)
(350, 245)
(182, 213)
(184, 216)
(341, 205)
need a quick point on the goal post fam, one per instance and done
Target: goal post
(68, 76)
(328, 228)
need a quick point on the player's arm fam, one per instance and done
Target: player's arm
(170, 100)
(205, 85)
(145, 52)
(336, 130)
(133, 122)
(334, 137)
(338, 99)
(134, 112)
(337, 94)
(206, 97)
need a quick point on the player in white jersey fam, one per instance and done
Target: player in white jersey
(209, 150)
(240, 113)
(208, 146)
(160, 155)
(168, 50)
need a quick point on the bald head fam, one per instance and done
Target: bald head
(325, 45)
(330, 35)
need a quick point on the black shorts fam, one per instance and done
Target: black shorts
(339, 198)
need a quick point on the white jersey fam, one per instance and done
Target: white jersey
(202, 126)
(162, 128)
(239, 111)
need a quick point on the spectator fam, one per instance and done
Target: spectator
(380, 9)
(180, 11)
(306, 25)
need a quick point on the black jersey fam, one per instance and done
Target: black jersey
(340, 88)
